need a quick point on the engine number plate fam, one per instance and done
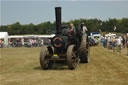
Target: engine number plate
(55, 55)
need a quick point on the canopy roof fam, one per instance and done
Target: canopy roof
(32, 36)
(110, 34)
(3, 35)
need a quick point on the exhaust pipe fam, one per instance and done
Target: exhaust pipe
(58, 19)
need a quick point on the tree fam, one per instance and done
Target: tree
(15, 28)
(93, 25)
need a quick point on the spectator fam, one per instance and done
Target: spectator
(33, 42)
(106, 41)
(103, 41)
(97, 40)
(113, 44)
(22, 41)
(118, 44)
(124, 41)
(127, 41)
(110, 43)
(1, 44)
(42, 42)
(30, 43)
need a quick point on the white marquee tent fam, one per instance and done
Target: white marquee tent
(4, 36)
(110, 35)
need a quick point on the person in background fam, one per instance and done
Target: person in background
(106, 41)
(97, 40)
(113, 44)
(1, 44)
(42, 42)
(103, 41)
(127, 44)
(33, 42)
(124, 41)
(22, 40)
(9, 43)
(118, 44)
(127, 41)
(30, 43)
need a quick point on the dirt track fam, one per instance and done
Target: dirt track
(104, 68)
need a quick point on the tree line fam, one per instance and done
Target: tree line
(93, 25)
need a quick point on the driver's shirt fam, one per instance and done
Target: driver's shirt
(85, 29)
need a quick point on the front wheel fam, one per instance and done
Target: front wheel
(45, 64)
(72, 57)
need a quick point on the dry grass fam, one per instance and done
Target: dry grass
(20, 66)
(124, 52)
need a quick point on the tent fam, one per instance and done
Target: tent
(110, 35)
(15, 36)
(4, 36)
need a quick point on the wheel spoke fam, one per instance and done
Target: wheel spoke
(72, 57)
(74, 60)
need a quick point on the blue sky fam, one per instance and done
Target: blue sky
(37, 11)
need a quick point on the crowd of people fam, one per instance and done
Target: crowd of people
(26, 43)
(115, 43)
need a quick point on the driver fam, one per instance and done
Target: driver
(71, 29)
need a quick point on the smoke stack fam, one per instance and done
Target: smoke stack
(58, 19)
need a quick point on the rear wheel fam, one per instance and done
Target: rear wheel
(72, 57)
(85, 56)
(84, 50)
(45, 64)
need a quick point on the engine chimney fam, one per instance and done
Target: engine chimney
(58, 19)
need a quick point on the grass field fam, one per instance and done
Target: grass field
(20, 66)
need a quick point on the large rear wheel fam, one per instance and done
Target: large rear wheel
(84, 51)
(84, 56)
(72, 57)
(45, 64)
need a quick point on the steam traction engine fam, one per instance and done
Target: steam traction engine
(64, 47)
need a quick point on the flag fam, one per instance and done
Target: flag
(100, 30)
(115, 28)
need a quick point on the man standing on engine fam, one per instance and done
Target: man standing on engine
(83, 28)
